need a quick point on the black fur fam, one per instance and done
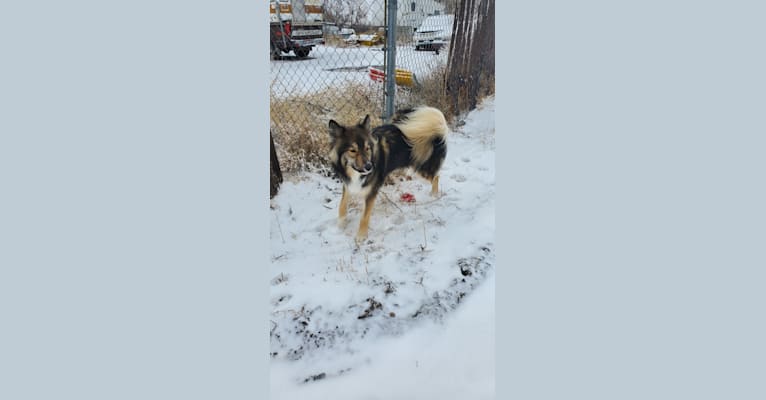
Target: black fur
(399, 153)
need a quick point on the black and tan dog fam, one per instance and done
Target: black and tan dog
(362, 158)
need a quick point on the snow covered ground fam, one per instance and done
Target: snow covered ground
(331, 66)
(409, 314)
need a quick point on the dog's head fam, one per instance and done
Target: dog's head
(353, 146)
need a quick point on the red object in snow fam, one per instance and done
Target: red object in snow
(407, 198)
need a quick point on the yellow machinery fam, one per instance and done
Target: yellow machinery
(403, 77)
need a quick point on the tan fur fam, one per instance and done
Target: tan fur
(343, 210)
(365, 222)
(421, 126)
(333, 156)
(435, 185)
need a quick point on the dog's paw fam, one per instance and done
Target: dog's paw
(342, 222)
(360, 238)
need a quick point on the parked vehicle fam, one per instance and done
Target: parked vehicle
(346, 33)
(434, 33)
(295, 25)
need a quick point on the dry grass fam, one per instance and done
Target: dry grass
(431, 91)
(487, 85)
(299, 123)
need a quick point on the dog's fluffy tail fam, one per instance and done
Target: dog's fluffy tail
(421, 126)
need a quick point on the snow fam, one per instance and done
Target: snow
(328, 66)
(407, 314)
(429, 362)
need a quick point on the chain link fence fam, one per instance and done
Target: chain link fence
(329, 59)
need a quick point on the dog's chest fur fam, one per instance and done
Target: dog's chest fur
(355, 185)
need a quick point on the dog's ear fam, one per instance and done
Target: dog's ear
(336, 130)
(365, 123)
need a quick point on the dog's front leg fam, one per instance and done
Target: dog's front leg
(435, 186)
(365, 223)
(343, 209)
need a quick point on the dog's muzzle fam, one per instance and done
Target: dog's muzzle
(366, 170)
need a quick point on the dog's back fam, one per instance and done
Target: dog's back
(416, 138)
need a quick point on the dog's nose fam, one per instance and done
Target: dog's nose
(368, 166)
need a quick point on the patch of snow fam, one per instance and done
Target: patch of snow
(349, 320)
(429, 362)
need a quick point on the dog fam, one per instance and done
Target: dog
(363, 158)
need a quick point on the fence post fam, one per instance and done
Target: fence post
(390, 89)
(281, 26)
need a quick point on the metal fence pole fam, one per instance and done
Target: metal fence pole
(281, 26)
(390, 90)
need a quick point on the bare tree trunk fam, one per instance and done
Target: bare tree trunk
(276, 173)
(471, 65)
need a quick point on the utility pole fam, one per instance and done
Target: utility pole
(390, 88)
